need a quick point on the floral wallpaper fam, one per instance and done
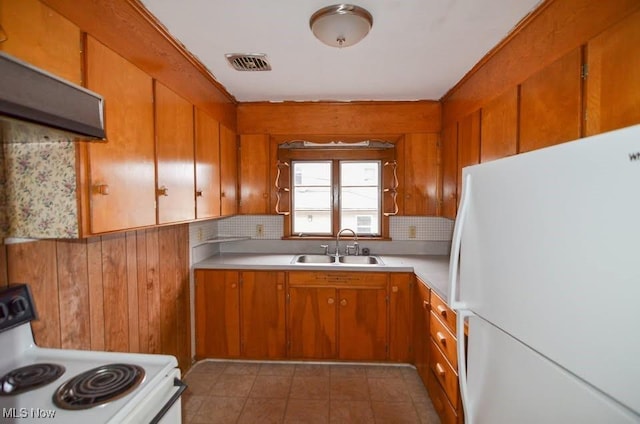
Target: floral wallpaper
(39, 182)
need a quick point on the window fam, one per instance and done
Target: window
(333, 194)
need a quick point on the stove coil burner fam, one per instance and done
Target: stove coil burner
(98, 386)
(28, 378)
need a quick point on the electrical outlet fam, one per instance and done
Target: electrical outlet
(412, 231)
(200, 236)
(259, 230)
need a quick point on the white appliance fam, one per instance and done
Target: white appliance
(548, 244)
(95, 387)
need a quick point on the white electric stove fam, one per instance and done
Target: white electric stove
(75, 386)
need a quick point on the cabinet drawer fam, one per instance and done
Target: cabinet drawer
(445, 340)
(444, 372)
(338, 279)
(440, 402)
(444, 312)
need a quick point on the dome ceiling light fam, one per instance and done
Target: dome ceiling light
(341, 25)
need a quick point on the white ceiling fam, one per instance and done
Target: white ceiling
(416, 49)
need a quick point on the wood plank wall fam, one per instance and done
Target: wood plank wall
(126, 292)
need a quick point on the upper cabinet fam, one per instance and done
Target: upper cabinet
(499, 126)
(228, 172)
(449, 155)
(121, 172)
(613, 79)
(254, 174)
(551, 104)
(468, 144)
(421, 176)
(175, 156)
(207, 151)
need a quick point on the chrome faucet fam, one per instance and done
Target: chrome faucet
(355, 246)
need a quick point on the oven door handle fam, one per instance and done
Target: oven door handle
(182, 386)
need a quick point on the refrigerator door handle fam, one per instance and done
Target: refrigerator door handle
(462, 363)
(455, 245)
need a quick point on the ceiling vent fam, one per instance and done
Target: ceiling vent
(248, 62)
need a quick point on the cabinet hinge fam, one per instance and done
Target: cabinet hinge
(584, 71)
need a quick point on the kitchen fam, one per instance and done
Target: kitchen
(125, 287)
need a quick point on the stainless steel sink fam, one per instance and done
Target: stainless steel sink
(360, 260)
(313, 259)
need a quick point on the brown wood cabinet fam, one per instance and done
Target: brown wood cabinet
(240, 314)
(207, 162)
(420, 185)
(228, 172)
(422, 306)
(174, 156)
(449, 169)
(338, 315)
(499, 127)
(122, 170)
(468, 144)
(401, 318)
(253, 176)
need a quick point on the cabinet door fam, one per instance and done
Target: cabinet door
(207, 146)
(499, 126)
(421, 329)
(468, 144)
(122, 170)
(362, 324)
(254, 174)
(263, 315)
(449, 152)
(217, 302)
(228, 172)
(312, 323)
(551, 104)
(613, 83)
(401, 317)
(175, 156)
(421, 174)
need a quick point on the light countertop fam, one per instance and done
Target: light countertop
(432, 269)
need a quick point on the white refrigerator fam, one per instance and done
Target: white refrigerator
(545, 268)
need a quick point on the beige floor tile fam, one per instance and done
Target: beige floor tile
(309, 388)
(388, 389)
(349, 388)
(384, 372)
(233, 385)
(304, 411)
(277, 369)
(263, 411)
(219, 410)
(241, 368)
(312, 370)
(348, 370)
(200, 383)
(351, 412)
(426, 411)
(394, 413)
(190, 405)
(271, 386)
(210, 367)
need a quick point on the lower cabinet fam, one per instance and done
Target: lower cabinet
(338, 315)
(422, 308)
(240, 314)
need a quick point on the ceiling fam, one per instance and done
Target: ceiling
(416, 49)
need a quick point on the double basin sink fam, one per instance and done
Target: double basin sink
(341, 260)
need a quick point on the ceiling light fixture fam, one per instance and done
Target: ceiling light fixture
(341, 25)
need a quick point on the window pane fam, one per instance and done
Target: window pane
(360, 196)
(360, 173)
(312, 197)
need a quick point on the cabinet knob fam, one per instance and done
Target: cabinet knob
(101, 189)
(198, 193)
(279, 286)
(440, 370)
(163, 191)
(234, 285)
(330, 301)
(394, 289)
(343, 302)
(265, 195)
(442, 311)
(222, 194)
(441, 338)
(425, 304)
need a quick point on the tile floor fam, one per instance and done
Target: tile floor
(274, 392)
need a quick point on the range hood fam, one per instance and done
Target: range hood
(31, 94)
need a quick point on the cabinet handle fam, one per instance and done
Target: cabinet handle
(222, 194)
(440, 370)
(163, 191)
(441, 338)
(198, 193)
(394, 289)
(101, 189)
(279, 286)
(330, 301)
(265, 195)
(425, 304)
(234, 285)
(343, 302)
(442, 311)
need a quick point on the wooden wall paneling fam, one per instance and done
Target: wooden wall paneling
(96, 293)
(551, 104)
(4, 272)
(175, 159)
(207, 152)
(228, 172)
(421, 174)
(132, 291)
(127, 28)
(73, 286)
(613, 82)
(499, 126)
(183, 298)
(35, 264)
(253, 174)
(553, 30)
(339, 118)
(39, 35)
(115, 291)
(154, 302)
(143, 291)
(468, 144)
(449, 169)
